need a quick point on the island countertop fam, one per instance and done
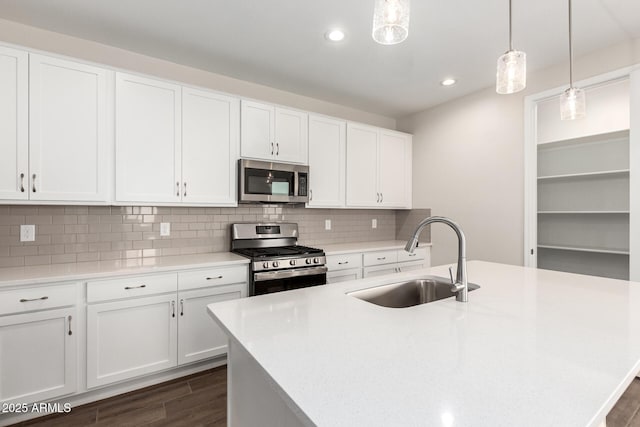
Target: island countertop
(530, 348)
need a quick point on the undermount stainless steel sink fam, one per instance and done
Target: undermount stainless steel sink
(408, 294)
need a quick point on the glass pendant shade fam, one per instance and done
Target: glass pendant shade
(390, 21)
(573, 104)
(511, 76)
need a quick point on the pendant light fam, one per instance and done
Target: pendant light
(511, 76)
(572, 101)
(390, 21)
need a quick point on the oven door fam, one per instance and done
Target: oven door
(284, 280)
(272, 182)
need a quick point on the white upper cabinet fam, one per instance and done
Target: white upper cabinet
(14, 124)
(210, 145)
(327, 166)
(291, 135)
(148, 140)
(258, 131)
(55, 136)
(68, 130)
(378, 167)
(394, 169)
(362, 166)
(273, 133)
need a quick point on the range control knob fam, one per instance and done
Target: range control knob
(308, 261)
(265, 265)
(292, 262)
(275, 263)
(316, 260)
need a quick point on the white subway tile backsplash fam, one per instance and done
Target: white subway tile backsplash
(92, 233)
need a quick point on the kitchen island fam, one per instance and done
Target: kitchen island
(530, 348)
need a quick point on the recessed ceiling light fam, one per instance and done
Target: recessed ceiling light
(335, 35)
(448, 82)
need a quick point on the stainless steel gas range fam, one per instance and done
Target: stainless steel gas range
(278, 263)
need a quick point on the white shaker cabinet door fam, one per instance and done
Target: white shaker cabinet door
(38, 357)
(14, 124)
(394, 160)
(210, 147)
(362, 161)
(291, 135)
(257, 130)
(327, 169)
(69, 138)
(129, 338)
(148, 140)
(199, 337)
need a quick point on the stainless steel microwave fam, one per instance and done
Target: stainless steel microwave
(269, 182)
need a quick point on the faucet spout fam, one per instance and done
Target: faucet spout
(460, 287)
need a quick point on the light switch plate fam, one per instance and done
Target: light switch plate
(374, 223)
(165, 229)
(27, 233)
(327, 224)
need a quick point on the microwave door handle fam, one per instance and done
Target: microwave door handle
(295, 183)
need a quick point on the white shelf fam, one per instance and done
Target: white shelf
(617, 134)
(581, 249)
(582, 212)
(587, 174)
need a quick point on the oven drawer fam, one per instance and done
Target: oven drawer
(343, 262)
(380, 257)
(129, 287)
(212, 277)
(38, 298)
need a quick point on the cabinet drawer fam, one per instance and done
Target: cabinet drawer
(212, 277)
(343, 262)
(39, 298)
(409, 266)
(418, 254)
(380, 270)
(380, 257)
(129, 287)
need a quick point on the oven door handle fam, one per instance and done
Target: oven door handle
(283, 274)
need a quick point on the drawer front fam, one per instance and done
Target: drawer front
(212, 277)
(38, 298)
(380, 257)
(344, 262)
(344, 275)
(418, 254)
(129, 287)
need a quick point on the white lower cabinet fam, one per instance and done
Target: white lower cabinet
(198, 336)
(360, 265)
(143, 324)
(344, 275)
(129, 338)
(38, 345)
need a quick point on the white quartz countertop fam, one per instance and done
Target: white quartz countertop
(17, 276)
(346, 248)
(530, 348)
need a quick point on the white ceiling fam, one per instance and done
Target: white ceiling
(280, 43)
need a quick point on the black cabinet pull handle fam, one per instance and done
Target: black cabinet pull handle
(214, 278)
(22, 183)
(134, 287)
(33, 182)
(34, 299)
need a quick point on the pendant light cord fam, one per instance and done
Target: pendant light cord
(570, 50)
(510, 31)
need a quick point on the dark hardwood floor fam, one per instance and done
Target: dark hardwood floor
(196, 400)
(201, 400)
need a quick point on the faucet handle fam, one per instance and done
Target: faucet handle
(451, 275)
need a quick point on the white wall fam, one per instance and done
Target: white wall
(35, 38)
(468, 160)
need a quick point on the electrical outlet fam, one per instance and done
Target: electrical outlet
(327, 224)
(27, 233)
(374, 223)
(165, 229)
